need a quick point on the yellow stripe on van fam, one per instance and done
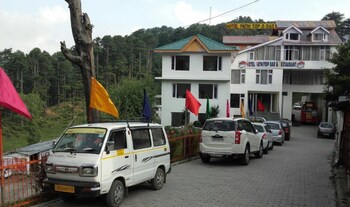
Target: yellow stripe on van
(122, 153)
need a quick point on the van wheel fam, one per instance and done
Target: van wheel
(158, 180)
(205, 158)
(245, 158)
(260, 153)
(115, 194)
(68, 197)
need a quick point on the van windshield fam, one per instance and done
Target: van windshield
(81, 140)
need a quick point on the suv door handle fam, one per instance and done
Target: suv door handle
(127, 156)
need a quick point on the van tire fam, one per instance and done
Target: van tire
(116, 194)
(158, 180)
(245, 157)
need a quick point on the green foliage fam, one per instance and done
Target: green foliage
(214, 111)
(128, 97)
(339, 79)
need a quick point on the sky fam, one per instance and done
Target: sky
(26, 24)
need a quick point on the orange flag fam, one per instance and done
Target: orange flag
(192, 103)
(99, 99)
(242, 109)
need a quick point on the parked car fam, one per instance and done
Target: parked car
(230, 138)
(326, 129)
(106, 158)
(266, 135)
(257, 119)
(287, 128)
(277, 131)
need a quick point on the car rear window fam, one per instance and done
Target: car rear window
(219, 125)
(273, 126)
(259, 128)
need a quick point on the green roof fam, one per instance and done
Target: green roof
(210, 44)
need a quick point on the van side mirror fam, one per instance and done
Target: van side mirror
(109, 146)
(53, 144)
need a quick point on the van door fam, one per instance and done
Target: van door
(143, 155)
(161, 149)
(119, 160)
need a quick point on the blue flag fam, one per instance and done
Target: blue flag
(250, 107)
(147, 111)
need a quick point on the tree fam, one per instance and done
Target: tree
(337, 17)
(338, 80)
(84, 57)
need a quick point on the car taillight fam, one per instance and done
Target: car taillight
(238, 137)
(264, 136)
(280, 132)
(287, 130)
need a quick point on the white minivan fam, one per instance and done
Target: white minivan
(106, 158)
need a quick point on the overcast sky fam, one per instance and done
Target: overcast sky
(26, 24)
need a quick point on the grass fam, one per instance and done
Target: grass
(51, 125)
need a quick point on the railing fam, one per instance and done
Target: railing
(183, 147)
(23, 176)
(22, 180)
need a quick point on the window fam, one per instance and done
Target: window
(178, 118)
(158, 137)
(179, 90)
(234, 100)
(180, 62)
(291, 53)
(119, 139)
(237, 76)
(212, 63)
(251, 55)
(318, 36)
(243, 76)
(141, 138)
(208, 91)
(263, 76)
(294, 36)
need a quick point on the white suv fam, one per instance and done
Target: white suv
(230, 138)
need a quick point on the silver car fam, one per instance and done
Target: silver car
(326, 129)
(266, 135)
(277, 131)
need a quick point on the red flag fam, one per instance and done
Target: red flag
(260, 106)
(227, 109)
(9, 97)
(192, 103)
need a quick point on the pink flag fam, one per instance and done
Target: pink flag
(9, 97)
(227, 109)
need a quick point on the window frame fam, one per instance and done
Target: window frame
(175, 91)
(175, 62)
(214, 91)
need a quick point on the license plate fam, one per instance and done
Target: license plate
(325, 134)
(65, 188)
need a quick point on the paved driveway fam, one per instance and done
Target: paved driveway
(295, 174)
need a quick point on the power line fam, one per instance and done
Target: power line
(245, 5)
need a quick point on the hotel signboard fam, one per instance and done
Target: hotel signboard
(251, 25)
(272, 64)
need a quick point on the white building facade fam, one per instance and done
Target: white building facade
(200, 65)
(278, 72)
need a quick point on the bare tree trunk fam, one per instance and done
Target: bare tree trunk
(82, 34)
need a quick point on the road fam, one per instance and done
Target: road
(295, 174)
